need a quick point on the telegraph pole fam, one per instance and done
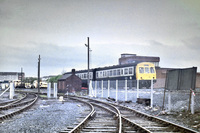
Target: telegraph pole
(39, 74)
(88, 63)
(21, 76)
(88, 56)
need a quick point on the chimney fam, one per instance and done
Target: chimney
(73, 71)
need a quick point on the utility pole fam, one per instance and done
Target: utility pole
(21, 76)
(88, 63)
(39, 74)
(88, 56)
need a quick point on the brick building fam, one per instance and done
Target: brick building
(69, 83)
(133, 58)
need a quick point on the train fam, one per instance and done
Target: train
(143, 71)
(43, 84)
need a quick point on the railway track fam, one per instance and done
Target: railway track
(132, 121)
(17, 106)
(100, 119)
(105, 120)
(147, 123)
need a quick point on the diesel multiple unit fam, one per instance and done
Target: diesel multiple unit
(144, 72)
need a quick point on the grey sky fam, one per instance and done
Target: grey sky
(58, 30)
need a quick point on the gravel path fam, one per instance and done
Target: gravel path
(47, 116)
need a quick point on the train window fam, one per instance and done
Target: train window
(90, 75)
(146, 69)
(126, 71)
(104, 73)
(122, 71)
(130, 70)
(110, 72)
(152, 70)
(141, 70)
(100, 75)
(118, 71)
(97, 74)
(85, 75)
(114, 72)
(107, 73)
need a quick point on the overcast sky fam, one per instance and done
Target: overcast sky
(58, 30)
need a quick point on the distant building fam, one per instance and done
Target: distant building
(69, 83)
(11, 76)
(133, 58)
(45, 78)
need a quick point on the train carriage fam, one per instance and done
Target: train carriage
(144, 72)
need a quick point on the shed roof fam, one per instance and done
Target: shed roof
(65, 76)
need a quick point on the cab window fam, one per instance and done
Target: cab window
(146, 69)
(141, 70)
(152, 70)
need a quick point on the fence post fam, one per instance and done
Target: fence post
(12, 90)
(102, 88)
(138, 88)
(91, 92)
(126, 90)
(116, 97)
(49, 90)
(95, 89)
(192, 103)
(151, 92)
(108, 88)
(169, 101)
(55, 90)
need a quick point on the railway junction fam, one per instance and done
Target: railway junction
(119, 98)
(52, 115)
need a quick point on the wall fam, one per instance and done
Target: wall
(70, 84)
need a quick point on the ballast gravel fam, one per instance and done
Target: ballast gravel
(46, 116)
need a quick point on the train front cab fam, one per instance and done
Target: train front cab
(145, 72)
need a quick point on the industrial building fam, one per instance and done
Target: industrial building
(11, 76)
(133, 58)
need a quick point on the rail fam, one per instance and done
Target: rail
(77, 128)
(181, 128)
(118, 114)
(20, 110)
(10, 105)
